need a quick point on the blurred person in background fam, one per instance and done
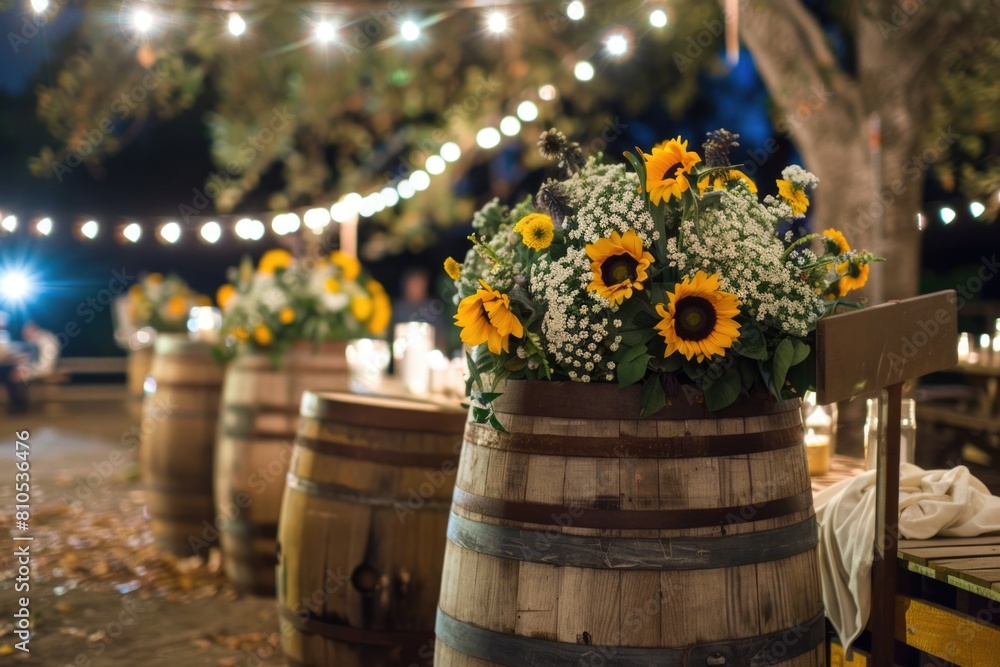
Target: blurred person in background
(41, 354)
(416, 305)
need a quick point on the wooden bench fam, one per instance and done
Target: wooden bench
(46, 388)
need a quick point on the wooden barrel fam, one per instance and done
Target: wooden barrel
(178, 444)
(257, 425)
(584, 535)
(138, 366)
(362, 530)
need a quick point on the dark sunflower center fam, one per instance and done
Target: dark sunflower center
(618, 269)
(694, 318)
(673, 170)
(538, 233)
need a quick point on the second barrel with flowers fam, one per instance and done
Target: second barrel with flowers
(288, 320)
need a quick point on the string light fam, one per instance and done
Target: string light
(575, 10)
(9, 223)
(132, 232)
(314, 218)
(947, 215)
(488, 137)
(170, 232)
(44, 226)
(527, 111)
(237, 26)
(39, 5)
(325, 32)
(976, 209)
(510, 126)
(211, 232)
(496, 22)
(547, 92)
(420, 180)
(409, 31)
(142, 19)
(616, 44)
(370, 205)
(451, 152)
(90, 229)
(435, 165)
(583, 71)
(389, 197)
(405, 189)
(15, 286)
(346, 208)
(658, 18)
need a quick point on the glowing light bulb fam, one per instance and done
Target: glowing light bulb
(211, 232)
(617, 45)
(575, 10)
(142, 19)
(389, 197)
(510, 126)
(325, 32)
(170, 232)
(44, 226)
(89, 229)
(314, 218)
(658, 18)
(496, 22)
(406, 189)
(435, 164)
(583, 71)
(39, 5)
(132, 232)
(420, 180)
(488, 137)
(451, 152)
(547, 92)
(409, 31)
(237, 26)
(976, 209)
(947, 215)
(9, 223)
(15, 286)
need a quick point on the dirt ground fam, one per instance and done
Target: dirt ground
(100, 593)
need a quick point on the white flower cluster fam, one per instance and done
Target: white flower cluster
(799, 176)
(573, 332)
(738, 242)
(606, 198)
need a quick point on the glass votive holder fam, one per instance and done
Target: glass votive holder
(367, 360)
(413, 341)
(907, 432)
(964, 347)
(204, 324)
(437, 364)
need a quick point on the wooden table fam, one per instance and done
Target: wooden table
(981, 415)
(948, 595)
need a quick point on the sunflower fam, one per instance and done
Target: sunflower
(241, 333)
(721, 179)
(262, 335)
(536, 230)
(273, 260)
(381, 308)
(853, 275)
(287, 315)
(619, 264)
(362, 307)
(485, 317)
(452, 268)
(225, 295)
(332, 285)
(838, 241)
(698, 318)
(667, 169)
(177, 307)
(350, 267)
(796, 197)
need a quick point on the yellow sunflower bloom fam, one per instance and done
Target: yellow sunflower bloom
(224, 295)
(795, 197)
(177, 307)
(719, 181)
(853, 276)
(667, 169)
(350, 267)
(381, 308)
(485, 317)
(332, 285)
(838, 239)
(698, 318)
(619, 264)
(287, 315)
(452, 268)
(362, 307)
(536, 230)
(262, 335)
(241, 333)
(274, 259)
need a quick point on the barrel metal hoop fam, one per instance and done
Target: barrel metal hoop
(519, 651)
(633, 447)
(346, 494)
(625, 553)
(250, 529)
(351, 635)
(625, 519)
(270, 436)
(390, 457)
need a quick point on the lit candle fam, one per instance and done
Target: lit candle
(438, 365)
(984, 349)
(416, 371)
(204, 324)
(963, 348)
(818, 452)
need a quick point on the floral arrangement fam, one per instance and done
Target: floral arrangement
(674, 275)
(284, 300)
(162, 303)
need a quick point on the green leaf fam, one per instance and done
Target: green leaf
(515, 364)
(783, 355)
(626, 354)
(724, 391)
(748, 372)
(495, 423)
(751, 343)
(800, 352)
(636, 337)
(633, 370)
(653, 398)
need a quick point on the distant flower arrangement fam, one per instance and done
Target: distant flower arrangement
(673, 276)
(162, 303)
(286, 300)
